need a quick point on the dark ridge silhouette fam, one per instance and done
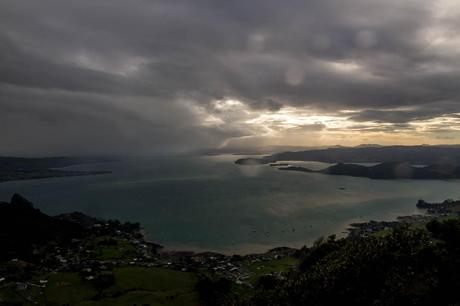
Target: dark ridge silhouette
(388, 170)
(426, 155)
(23, 228)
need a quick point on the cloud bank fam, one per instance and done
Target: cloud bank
(146, 76)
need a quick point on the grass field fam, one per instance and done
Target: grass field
(127, 285)
(123, 250)
(136, 285)
(277, 265)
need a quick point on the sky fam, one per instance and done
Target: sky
(149, 76)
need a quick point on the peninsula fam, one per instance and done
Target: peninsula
(422, 155)
(19, 168)
(387, 171)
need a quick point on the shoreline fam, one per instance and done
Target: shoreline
(64, 174)
(352, 230)
(95, 246)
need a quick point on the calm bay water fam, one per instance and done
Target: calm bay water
(209, 203)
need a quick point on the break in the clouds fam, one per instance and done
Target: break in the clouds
(144, 76)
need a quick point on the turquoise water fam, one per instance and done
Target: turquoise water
(209, 203)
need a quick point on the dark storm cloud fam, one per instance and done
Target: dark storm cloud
(413, 113)
(138, 76)
(389, 127)
(95, 124)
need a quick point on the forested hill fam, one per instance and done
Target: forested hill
(412, 154)
(388, 170)
(23, 228)
(410, 266)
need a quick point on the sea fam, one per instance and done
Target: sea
(208, 203)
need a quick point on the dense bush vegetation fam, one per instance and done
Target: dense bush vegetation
(213, 291)
(407, 267)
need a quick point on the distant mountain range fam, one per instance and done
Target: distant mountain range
(263, 149)
(388, 170)
(423, 154)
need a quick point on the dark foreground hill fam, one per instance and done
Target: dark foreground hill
(388, 170)
(24, 228)
(28, 234)
(426, 155)
(407, 267)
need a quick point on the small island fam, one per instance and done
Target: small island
(279, 164)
